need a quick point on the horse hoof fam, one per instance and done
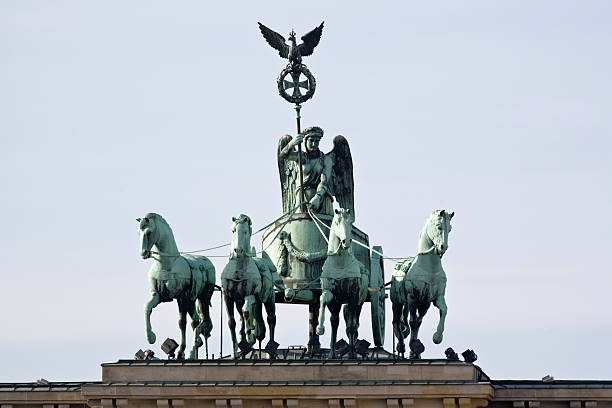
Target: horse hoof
(151, 337)
(401, 348)
(320, 330)
(198, 342)
(437, 338)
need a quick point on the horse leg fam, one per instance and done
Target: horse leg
(404, 326)
(260, 327)
(239, 307)
(183, 309)
(416, 318)
(334, 319)
(440, 303)
(197, 323)
(355, 326)
(350, 320)
(397, 329)
(271, 315)
(248, 316)
(206, 324)
(326, 298)
(348, 323)
(414, 327)
(231, 322)
(154, 301)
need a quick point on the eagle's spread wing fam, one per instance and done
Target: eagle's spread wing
(276, 40)
(288, 172)
(311, 39)
(342, 174)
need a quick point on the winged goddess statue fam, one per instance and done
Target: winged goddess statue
(326, 176)
(293, 52)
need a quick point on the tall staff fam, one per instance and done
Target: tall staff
(300, 77)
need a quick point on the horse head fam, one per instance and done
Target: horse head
(340, 234)
(149, 234)
(241, 237)
(438, 227)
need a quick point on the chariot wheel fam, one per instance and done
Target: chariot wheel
(377, 297)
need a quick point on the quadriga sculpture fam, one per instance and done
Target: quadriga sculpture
(247, 283)
(419, 281)
(344, 281)
(189, 279)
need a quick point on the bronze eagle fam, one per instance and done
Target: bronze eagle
(292, 51)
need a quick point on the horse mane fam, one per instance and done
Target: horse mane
(243, 218)
(158, 218)
(433, 215)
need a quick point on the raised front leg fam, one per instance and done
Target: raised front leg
(440, 303)
(154, 301)
(326, 297)
(248, 314)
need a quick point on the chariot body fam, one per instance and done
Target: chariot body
(297, 242)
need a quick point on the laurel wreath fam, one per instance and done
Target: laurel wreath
(311, 82)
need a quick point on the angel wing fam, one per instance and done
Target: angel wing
(342, 182)
(288, 172)
(311, 40)
(276, 40)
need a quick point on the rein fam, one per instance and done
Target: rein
(229, 243)
(317, 220)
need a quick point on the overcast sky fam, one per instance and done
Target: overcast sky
(499, 111)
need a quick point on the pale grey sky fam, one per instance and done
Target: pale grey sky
(499, 111)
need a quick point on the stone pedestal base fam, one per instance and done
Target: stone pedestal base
(283, 384)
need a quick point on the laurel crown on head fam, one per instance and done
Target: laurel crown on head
(314, 132)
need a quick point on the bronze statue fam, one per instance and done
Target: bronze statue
(326, 176)
(248, 283)
(293, 52)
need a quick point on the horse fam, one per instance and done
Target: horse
(247, 284)
(419, 281)
(190, 279)
(344, 281)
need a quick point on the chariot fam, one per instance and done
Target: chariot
(297, 247)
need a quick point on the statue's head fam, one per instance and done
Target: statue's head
(312, 135)
(292, 36)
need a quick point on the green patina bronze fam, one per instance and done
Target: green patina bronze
(419, 281)
(301, 249)
(326, 176)
(248, 283)
(344, 281)
(190, 279)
